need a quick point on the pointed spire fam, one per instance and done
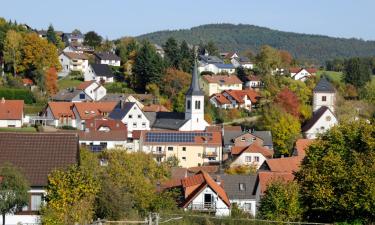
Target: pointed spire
(194, 86)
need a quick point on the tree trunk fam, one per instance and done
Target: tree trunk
(3, 218)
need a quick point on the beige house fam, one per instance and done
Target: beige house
(213, 84)
(191, 148)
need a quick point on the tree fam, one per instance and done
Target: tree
(241, 73)
(174, 81)
(172, 53)
(51, 81)
(368, 92)
(92, 39)
(288, 101)
(357, 72)
(281, 202)
(268, 59)
(187, 57)
(70, 197)
(148, 67)
(212, 49)
(285, 129)
(337, 175)
(12, 50)
(13, 190)
(286, 58)
(51, 35)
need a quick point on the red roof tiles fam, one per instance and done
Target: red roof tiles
(302, 145)
(11, 109)
(85, 84)
(222, 79)
(61, 109)
(89, 110)
(265, 178)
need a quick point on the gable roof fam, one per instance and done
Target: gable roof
(102, 70)
(89, 110)
(253, 148)
(220, 98)
(107, 56)
(67, 95)
(95, 135)
(231, 185)
(265, 178)
(85, 84)
(61, 109)
(316, 116)
(230, 132)
(286, 164)
(38, 154)
(265, 135)
(224, 66)
(11, 109)
(210, 59)
(302, 145)
(121, 110)
(75, 55)
(96, 124)
(207, 169)
(299, 69)
(166, 120)
(239, 95)
(222, 79)
(324, 86)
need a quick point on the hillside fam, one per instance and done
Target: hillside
(229, 37)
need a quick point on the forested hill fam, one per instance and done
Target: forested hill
(229, 37)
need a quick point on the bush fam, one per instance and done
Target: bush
(66, 127)
(17, 94)
(76, 75)
(118, 87)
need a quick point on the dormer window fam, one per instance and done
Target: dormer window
(242, 187)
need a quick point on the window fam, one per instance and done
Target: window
(130, 116)
(242, 186)
(170, 148)
(247, 206)
(188, 104)
(143, 124)
(36, 201)
(184, 158)
(243, 139)
(159, 148)
(82, 96)
(324, 98)
(184, 149)
(197, 105)
(248, 159)
(256, 158)
(139, 116)
(199, 155)
(135, 125)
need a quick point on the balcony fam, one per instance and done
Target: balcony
(205, 207)
(158, 153)
(209, 154)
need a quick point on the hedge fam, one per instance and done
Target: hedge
(17, 94)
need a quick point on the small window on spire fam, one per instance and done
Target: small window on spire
(188, 104)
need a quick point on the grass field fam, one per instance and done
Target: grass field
(13, 129)
(33, 109)
(67, 82)
(333, 75)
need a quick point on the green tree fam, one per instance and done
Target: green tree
(13, 190)
(281, 202)
(268, 60)
(337, 176)
(148, 67)
(92, 39)
(241, 73)
(212, 49)
(357, 72)
(285, 128)
(172, 53)
(368, 92)
(70, 197)
(187, 57)
(12, 50)
(51, 35)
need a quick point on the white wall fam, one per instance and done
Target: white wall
(195, 115)
(110, 144)
(11, 123)
(241, 160)
(318, 102)
(136, 117)
(324, 123)
(241, 204)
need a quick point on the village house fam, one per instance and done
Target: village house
(251, 155)
(101, 134)
(229, 133)
(201, 193)
(58, 114)
(252, 81)
(239, 189)
(191, 148)
(107, 58)
(130, 114)
(323, 118)
(100, 73)
(73, 38)
(11, 113)
(37, 155)
(235, 99)
(88, 110)
(71, 61)
(217, 68)
(302, 74)
(93, 89)
(213, 84)
(71, 95)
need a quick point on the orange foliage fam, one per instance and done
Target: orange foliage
(51, 81)
(286, 58)
(174, 81)
(288, 100)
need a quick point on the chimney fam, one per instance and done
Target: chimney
(2, 100)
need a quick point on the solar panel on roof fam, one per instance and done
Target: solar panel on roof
(175, 137)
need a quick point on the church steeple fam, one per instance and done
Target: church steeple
(194, 86)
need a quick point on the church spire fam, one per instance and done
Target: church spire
(194, 86)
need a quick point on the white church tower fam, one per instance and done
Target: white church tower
(324, 95)
(194, 105)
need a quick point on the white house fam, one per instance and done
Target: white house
(108, 59)
(213, 84)
(88, 110)
(73, 38)
(252, 155)
(99, 73)
(11, 113)
(59, 114)
(302, 74)
(36, 155)
(242, 62)
(93, 89)
(239, 189)
(217, 68)
(232, 99)
(253, 82)
(131, 115)
(72, 61)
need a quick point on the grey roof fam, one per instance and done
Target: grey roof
(266, 136)
(121, 109)
(324, 86)
(210, 59)
(107, 56)
(68, 95)
(102, 70)
(166, 120)
(224, 66)
(112, 97)
(194, 86)
(229, 135)
(231, 184)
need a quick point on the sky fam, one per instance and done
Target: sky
(117, 18)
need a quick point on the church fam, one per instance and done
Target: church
(192, 119)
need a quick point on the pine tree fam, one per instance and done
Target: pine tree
(51, 35)
(172, 52)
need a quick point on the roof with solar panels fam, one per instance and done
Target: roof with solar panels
(181, 137)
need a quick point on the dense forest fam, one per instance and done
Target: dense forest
(305, 47)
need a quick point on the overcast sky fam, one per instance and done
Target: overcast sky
(116, 18)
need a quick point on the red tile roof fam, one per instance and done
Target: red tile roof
(89, 110)
(207, 169)
(116, 135)
(239, 95)
(302, 145)
(253, 78)
(154, 108)
(222, 79)
(11, 109)
(113, 125)
(74, 55)
(220, 98)
(287, 164)
(27, 81)
(85, 84)
(265, 178)
(299, 69)
(61, 109)
(253, 148)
